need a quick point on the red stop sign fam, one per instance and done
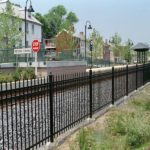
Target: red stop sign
(35, 46)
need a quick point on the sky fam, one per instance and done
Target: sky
(128, 18)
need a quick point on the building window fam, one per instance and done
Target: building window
(20, 29)
(32, 28)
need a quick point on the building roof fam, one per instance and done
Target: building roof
(18, 11)
(141, 46)
(3, 1)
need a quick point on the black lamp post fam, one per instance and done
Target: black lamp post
(91, 49)
(89, 27)
(30, 9)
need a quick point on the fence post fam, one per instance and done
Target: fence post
(149, 72)
(127, 80)
(143, 74)
(113, 90)
(136, 76)
(51, 107)
(90, 77)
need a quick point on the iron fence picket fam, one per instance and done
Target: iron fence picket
(143, 74)
(127, 80)
(113, 85)
(51, 108)
(136, 76)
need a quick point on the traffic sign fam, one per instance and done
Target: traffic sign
(22, 51)
(35, 46)
(91, 45)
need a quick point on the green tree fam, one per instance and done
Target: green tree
(45, 27)
(71, 17)
(56, 20)
(10, 35)
(97, 40)
(117, 48)
(128, 53)
(69, 21)
(116, 44)
(9, 28)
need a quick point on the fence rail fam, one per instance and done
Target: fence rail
(33, 112)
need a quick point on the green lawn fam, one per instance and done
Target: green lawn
(125, 128)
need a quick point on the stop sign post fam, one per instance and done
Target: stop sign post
(35, 49)
(35, 46)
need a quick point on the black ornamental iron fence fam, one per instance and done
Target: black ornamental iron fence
(33, 112)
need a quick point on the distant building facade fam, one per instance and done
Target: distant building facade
(107, 52)
(68, 42)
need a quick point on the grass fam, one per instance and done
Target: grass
(126, 127)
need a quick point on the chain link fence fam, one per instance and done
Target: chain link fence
(8, 56)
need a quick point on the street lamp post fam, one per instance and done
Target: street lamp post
(89, 27)
(30, 9)
(91, 48)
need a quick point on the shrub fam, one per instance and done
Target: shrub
(5, 78)
(133, 124)
(147, 106)
(144, 104)
(109, 142)
(84, 140)
(23, 74)
(134, 137)
(138, 131)
(16, 75)
(116, 123)
(30, 73)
